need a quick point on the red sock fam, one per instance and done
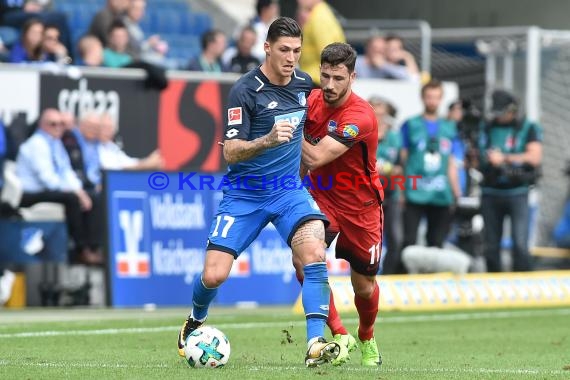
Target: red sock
(334, 322)
(367, 311)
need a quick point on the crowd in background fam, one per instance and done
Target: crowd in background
(116, 39)
(62, 160)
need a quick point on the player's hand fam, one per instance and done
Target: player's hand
(282, 132)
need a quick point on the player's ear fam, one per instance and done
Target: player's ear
(352, 76)
(267, 48)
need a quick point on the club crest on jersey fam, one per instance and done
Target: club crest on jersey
(332, 125)
(302, 99)
(234, 116)
(350, 130)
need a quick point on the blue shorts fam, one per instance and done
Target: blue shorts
(239, 221)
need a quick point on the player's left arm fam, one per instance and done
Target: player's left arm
(327, 149)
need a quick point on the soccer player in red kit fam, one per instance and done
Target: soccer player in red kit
(341, 138)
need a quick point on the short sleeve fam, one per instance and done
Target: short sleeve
(405, 135)
(238, 114)
(534, 134)
(352, 127)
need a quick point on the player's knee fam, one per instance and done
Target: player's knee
(213, 277)
(364, 287)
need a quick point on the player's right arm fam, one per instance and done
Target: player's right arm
(238, 150)
(238, 145)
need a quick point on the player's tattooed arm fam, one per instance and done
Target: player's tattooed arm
(242, 150)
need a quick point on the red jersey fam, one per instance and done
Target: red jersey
(353, 174)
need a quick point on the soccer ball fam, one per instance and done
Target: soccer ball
(207, 347)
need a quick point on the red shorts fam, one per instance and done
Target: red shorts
(360, 236)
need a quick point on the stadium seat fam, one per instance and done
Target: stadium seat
(166, 21)
(197, 23)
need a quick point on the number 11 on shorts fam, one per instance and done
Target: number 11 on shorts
(375, 253)
(229, 221)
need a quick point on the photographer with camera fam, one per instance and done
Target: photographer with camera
(510, 157)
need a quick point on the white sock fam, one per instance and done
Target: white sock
(198, 320)
(311, 341)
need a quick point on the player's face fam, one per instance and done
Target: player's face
(432, 99)
(283, 55)
(336, 82)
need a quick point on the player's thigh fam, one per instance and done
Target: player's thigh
(236, 225)
(332, 229)
(360, 240)
(301, 224)
(292, 210)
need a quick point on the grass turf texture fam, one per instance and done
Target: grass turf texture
(269, 343)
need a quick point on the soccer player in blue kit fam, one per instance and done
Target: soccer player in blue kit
(266, 113)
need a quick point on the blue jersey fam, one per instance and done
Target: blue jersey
(254, 106)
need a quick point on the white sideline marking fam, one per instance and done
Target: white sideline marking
(255, 325)
(498, 371)
(504, 371)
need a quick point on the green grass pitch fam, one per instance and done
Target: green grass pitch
(137, 344)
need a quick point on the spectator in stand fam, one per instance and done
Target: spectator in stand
(29, 48)
(90, 51)
(15, 13)
(320, 29)
(374, 64)
(115, 54)
(82, 145)
(267, 12)
(243, 60)
(52, 47)
(112, 157)
(213, 46)
(151, 50)
(396, 55)
(46, 174)
(101, 23)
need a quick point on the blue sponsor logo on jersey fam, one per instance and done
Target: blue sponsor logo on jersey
(294, 118)
(302, 99)
(332, 126)
(350, 130)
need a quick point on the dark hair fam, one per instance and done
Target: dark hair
(116, 24)
(51, 26)
(376, 100)
(209, 37)
(432, 84)
(393, 37)
(36, 53)
(262, 4)
(339, 53)
(283, 27)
